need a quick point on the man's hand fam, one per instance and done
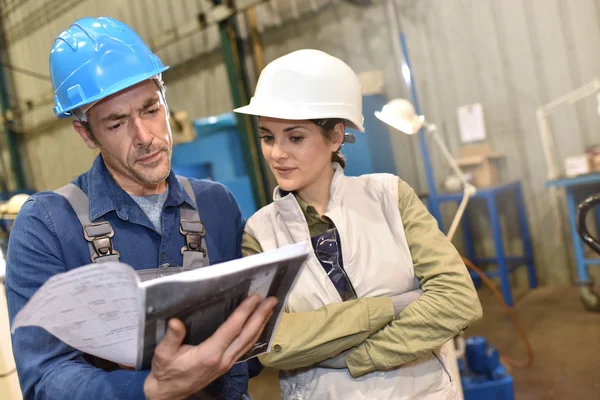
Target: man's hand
(181, 370)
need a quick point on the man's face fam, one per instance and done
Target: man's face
(131, 130)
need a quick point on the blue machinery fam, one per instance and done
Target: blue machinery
(216, 154)
(482, 374)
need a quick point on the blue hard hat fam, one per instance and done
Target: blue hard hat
(97, 57)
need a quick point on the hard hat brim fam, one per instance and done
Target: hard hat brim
(114, 88)
(298, 112)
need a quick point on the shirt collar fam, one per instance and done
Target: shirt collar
(105, 195)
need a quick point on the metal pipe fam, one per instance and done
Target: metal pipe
(468, 189)
(12, 140)
(257, 47)
(234, 61)
(434, 207)
(580, 93)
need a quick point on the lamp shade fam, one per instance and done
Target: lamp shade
(400, 114)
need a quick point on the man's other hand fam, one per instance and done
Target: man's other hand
(180, 370)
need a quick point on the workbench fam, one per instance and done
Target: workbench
(576, 190)
(506, 264)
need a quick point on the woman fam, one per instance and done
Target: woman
(373, 240)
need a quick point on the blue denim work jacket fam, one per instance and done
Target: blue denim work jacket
(47, 239)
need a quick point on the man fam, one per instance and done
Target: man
(131, 207)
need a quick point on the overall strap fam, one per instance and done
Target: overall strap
(98, 235)
(195, 254)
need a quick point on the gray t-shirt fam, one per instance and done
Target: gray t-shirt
(152, 206)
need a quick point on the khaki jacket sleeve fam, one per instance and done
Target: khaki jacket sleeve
(448, 305)
(250, 245)
(303, 339)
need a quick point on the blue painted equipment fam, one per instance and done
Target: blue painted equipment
(491, 197)
(372, 151)
(483, 377)
(216, 154)
(97, 57)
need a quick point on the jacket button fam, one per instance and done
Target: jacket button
(277, 348)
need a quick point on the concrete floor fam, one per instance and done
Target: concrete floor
(565, 341)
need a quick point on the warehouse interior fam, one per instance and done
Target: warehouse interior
(510, 94)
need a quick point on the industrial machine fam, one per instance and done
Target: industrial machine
(482, 374)
(216, 154)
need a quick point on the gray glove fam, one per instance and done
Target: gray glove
(337, 362)
(400, 301)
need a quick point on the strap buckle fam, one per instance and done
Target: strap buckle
(194, 233)
(99, 235)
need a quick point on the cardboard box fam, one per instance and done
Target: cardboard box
(371, 82)
(481, 162)
(578, 165)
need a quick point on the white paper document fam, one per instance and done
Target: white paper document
(106, 310)
(471, 123)
(94, 309)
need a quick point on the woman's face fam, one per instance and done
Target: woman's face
(297, 151)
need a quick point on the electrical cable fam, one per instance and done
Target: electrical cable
(512, 315)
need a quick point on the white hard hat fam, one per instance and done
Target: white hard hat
(308, 84)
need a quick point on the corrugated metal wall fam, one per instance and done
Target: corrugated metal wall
(510, 55)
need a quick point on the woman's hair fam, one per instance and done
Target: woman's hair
(326, 126)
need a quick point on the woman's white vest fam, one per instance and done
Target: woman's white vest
(377, 259)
